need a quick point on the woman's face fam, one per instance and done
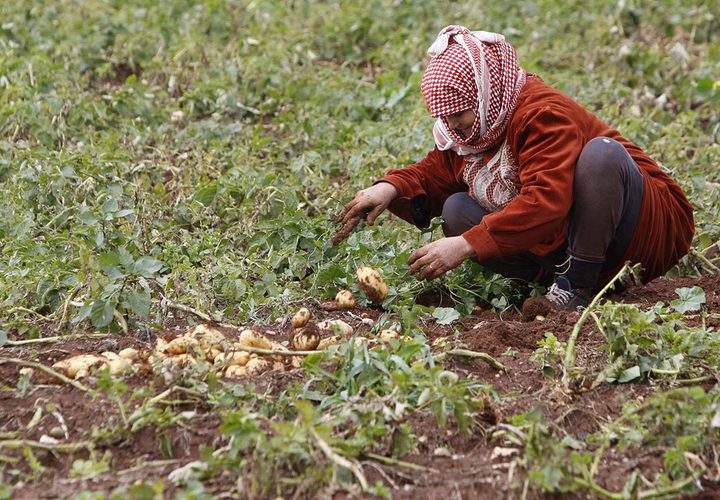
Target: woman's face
(461, 122)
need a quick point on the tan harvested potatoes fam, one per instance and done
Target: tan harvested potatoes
(160, 345)
(181, 345)
(182, 360)
(306, 338)
(79, 366)
(119, 366)
(360, 341)
(277, 346)
(251, 338)
(345, 299)
(301, 318)
(236, 371)
(256, 366)
(207, 335)
(130, 354)
(372, 284)
(327, 342)
(236, 358)
(212, 353)
(336, 325)
(387, 335)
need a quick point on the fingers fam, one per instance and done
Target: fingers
(374, 214)
(345, 231)
(427, 263)
(421, 259)
(431, 271)
(420, 252)
(358, 207)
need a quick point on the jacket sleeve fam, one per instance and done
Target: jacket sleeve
(547, 145)
(424, 186)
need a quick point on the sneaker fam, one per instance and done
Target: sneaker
(560, 296)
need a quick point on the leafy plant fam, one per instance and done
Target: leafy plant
(550, 354)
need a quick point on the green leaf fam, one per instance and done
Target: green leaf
(83, 312)
(139, 302)
(108, 264)
(206, 195)
(147, 266)
(101, 313)
(691, 299)
(629, 374)
(445, 315)
(87, 217)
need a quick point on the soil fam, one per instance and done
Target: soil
(455, 465)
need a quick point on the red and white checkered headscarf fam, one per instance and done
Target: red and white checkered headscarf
(472, 70)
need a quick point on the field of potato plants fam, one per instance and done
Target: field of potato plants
(170, 324)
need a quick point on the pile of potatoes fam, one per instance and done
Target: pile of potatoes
(228, 357)
(79, 366)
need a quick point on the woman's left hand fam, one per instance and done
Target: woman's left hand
(440, 256)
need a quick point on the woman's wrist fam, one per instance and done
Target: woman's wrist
(387, 190)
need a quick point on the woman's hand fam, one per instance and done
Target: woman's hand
(439, 257)
(367, 204)
(370, 202)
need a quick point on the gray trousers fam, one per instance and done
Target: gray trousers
(607, 196)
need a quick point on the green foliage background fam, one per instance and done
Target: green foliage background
(108, 204)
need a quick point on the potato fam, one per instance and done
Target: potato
(236, 358)
(181, 345)
(372, 284)
(251, 338)
(278, 366)
(277, 346)
(301, 318)
(236, 371)
(345, 299)
(160, 344)
(359, 341)
(182, 360)
(207, 335)
(336, 325)
(327, 342)
(119, 366)
(387, 334)
(79, 366)
(306, 338)
(109, 355)
(256, 366)
(130, 354)
(211, 354)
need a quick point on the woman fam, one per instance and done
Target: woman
(529, 182)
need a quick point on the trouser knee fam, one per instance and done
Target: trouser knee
(602, 159)
(460, 213)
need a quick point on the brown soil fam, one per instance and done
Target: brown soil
(458, 466)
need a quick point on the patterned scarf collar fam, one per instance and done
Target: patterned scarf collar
(471, 70)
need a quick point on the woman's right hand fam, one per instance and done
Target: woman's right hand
(369, 203)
